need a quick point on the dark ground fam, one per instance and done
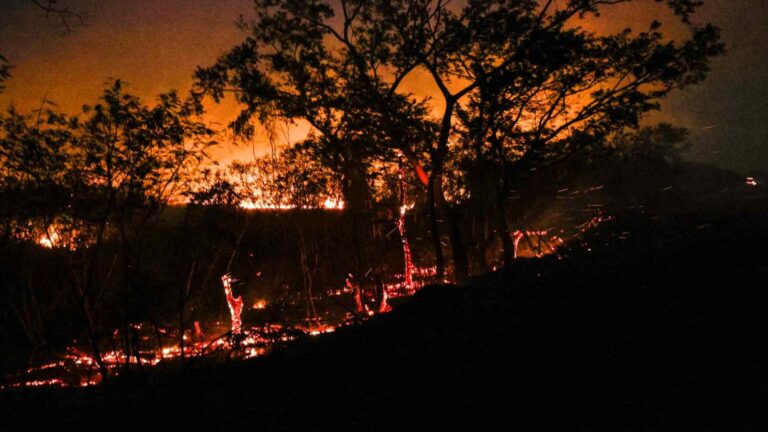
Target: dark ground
(663, 330)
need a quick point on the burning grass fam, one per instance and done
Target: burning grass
(76, 367)
(147, 345)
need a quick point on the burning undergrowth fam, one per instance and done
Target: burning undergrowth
(566, 341)
(260, 321)
(251, 332)
(278, 302)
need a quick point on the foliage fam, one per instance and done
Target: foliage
(99, 181)
(289, 179)
(121, 158)
(528, 85)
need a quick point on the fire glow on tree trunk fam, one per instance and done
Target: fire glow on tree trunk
(401, 227)
(235, 304)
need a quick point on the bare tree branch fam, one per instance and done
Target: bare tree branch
(60, 16)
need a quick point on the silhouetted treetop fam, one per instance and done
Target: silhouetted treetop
(529, 84)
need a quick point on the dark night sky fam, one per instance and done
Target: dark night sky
(155, 45)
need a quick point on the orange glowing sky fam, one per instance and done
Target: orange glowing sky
(155, 45)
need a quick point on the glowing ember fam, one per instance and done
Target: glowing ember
(384, 307)
(421, 275)
(320, 329)
(77, 368)
(199, 332)
(235, 303)
(260, 304)
(352, 287)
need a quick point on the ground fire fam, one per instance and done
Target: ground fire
(245, 336)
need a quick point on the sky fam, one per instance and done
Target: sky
(155, 45)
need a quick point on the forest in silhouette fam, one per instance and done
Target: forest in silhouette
(523, 244)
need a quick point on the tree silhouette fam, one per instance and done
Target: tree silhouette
(286, 71)
(533, 75)
(103, 180)
(60, 16)
(527, 80)
(547, 107)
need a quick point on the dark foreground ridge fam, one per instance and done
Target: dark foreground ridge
(663, 329)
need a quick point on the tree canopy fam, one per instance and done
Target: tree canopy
(521, 82)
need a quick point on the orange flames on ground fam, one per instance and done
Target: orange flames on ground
(78, 368)
(328, 204)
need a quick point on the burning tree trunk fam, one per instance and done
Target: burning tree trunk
(355, 288)
(199, 335)
(384, 306)
(235, 304)
(408, 275)
(517, 236)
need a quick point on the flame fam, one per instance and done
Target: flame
(333, 204)
(320, 329)
(260, 304)
(261, 205)
(355, 288)
(57, 236)
(328, 204)
(50, 239)
(77, 368)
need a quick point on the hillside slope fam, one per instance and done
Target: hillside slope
(661, 329)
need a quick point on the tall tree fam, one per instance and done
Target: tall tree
(584, 89)
(557, 85)
(288, 69)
